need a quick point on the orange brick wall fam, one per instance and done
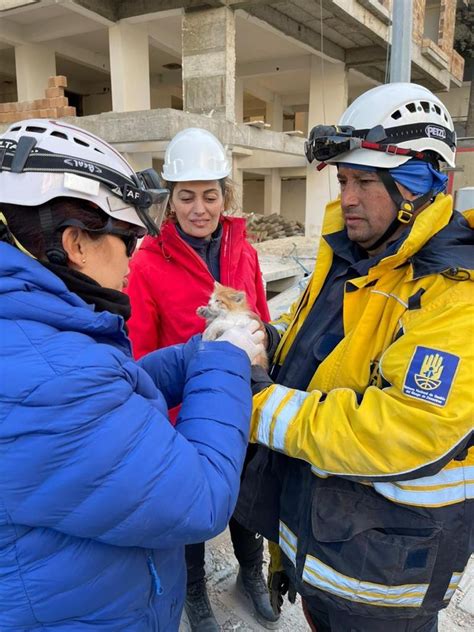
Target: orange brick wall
(457, 65)
(447, 21)
(54, 105)
(418, 20)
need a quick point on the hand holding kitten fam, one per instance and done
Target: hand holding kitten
(228, 309)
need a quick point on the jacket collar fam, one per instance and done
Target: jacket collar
(431, 229)
(232, 228)
(451, 250)
(30, 291)
(201, 245)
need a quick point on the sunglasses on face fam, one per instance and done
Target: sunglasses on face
(129, 237)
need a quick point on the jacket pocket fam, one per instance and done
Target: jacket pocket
(367, 550)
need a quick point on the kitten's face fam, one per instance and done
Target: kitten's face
(223, 300)
(226, 299)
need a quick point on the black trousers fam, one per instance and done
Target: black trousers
(325, 619)
(248, 549)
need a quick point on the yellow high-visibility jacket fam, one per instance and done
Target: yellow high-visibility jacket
(385, 426)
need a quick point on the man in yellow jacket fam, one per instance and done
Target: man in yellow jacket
(367, 477)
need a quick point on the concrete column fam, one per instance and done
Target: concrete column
(209, 62)
(239, 100)
(238, 180)
(272, 193)
(34, 64)
(274, 114)
(129, 67)
(139, 160)
(301, 122)
(322, 186)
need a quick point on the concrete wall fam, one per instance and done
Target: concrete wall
(293, 198)
(97, 103)
(456, 100)
(465, 178)
(253, 196)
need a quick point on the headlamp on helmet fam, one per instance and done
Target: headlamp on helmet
(149, 198)
(328, 142)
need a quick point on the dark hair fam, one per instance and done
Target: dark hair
(24, 222)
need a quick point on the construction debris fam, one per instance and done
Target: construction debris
(265, 227)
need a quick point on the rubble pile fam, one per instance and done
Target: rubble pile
(265, 227)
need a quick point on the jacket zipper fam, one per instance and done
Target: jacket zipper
(154, 574)
(157, 588)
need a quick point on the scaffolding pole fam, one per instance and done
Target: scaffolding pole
(400, 58)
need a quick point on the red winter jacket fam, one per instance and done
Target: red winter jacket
(168, 281)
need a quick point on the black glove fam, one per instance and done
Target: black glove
(273, 340)
(278, 586)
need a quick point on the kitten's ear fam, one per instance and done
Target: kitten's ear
(238, 297)
(217, 285)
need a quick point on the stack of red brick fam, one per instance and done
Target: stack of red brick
(54, 105)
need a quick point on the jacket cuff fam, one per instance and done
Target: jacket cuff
(273, 340)
(259, 379)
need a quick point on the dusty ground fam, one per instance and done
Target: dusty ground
(232, 612)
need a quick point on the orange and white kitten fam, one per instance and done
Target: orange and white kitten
(227, 308)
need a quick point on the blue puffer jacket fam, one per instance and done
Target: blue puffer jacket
(98, 492)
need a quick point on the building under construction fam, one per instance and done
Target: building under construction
(256, 73)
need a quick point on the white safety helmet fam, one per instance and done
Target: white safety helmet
(41, 160)
(385, 128)
(403, 119)
(195, 154)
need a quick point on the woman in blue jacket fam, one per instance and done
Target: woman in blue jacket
(98, 492)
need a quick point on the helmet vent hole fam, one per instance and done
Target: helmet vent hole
(396, 115)
(15, 129)
(38, 130)
(99, 150)
(81, 142)
(59, 135)
(425, 105)
(411, 107)
(437, 109)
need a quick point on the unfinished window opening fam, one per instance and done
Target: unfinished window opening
(432, 17)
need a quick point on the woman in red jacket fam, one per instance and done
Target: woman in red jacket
(171, 276)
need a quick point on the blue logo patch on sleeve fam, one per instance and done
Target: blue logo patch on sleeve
(430, 375)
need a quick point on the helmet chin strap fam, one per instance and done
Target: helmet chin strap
(405, 208)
